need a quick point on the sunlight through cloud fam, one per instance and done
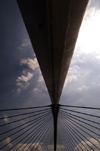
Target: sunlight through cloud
(89, 35)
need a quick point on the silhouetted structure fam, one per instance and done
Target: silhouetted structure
(32, 129)
(53, 28)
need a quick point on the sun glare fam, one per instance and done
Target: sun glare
(5, 118)
(89, 35)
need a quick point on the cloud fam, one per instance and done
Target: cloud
(24, 78)
(70, 79)
(82, 88)
(25, 43)
(40, 79)
(22, 81)
(6, 141)
(73, 75)
(84, 74)
(36, 90)
(23, 85)
(19, 84)
(59, 147)
(89, 35)
(31, 63)
(41, 93)
(18, 90)
(37, 146)
(83, 148)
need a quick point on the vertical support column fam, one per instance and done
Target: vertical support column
(55, 127)
(55, 109)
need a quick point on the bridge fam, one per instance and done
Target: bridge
(53, 28)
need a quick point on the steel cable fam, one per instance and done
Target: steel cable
(70, 139)
(22, 124)
(22, 114)
(82, 117)
(84, 123)
(70, 131)
(25, 142)
(16, 138)
(81, 113)
(81, 107)
(25, 108)
(82, 135)
(25, 127)
(20, 119)
(37, 136)
(81, 128)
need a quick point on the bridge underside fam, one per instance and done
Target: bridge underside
(53, 27)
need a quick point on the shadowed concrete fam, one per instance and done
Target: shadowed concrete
(53, 27)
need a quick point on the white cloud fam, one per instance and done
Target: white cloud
(98, 57)
(82, 88)
(73, 75)
(40, 79)
(59, 147)
(40, 91)
(36, 90)
(19, 84)
(22, 81)
(26, 85)
(84, 69)
(83, 148)
(23, 85)
(74, 71)
(23, 61)
(25, 78)
(89, 35)
(25, 42)
(34, 55)
(31, 63)
(37, 146)
(70, 79)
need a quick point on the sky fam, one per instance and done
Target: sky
(21, 82)
(82, 85)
